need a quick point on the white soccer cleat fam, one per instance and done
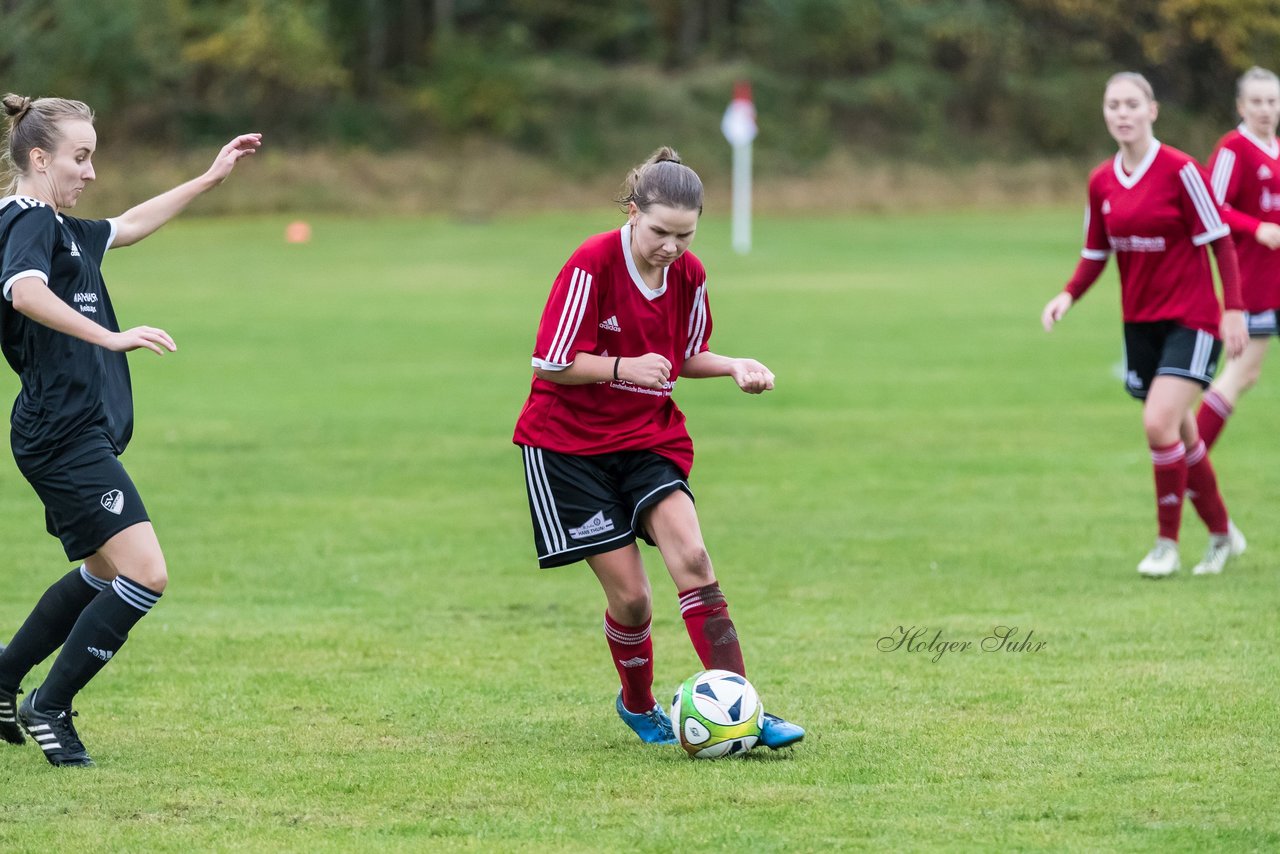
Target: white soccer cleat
(1238, 542)
(1215, 556)
(1162, 560)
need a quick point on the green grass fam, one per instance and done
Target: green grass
(357, 652)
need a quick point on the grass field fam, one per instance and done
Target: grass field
(357, 653)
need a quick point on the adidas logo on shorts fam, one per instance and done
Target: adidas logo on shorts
(113, 501)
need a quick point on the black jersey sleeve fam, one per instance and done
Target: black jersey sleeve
(93, 235)
(29, 236)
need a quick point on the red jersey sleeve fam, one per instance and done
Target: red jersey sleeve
(1096, 245)
(1225, 182)
(569, 321)
(1200, 207)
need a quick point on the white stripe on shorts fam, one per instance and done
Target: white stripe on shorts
(1200, 358)
(544, 505)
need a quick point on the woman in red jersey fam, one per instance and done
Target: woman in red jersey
(1245, 170)
(606, 452)
(1151, 206)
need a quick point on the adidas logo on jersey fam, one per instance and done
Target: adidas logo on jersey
(75, 250)
(113, 501)
(1264, 174)
(597, 524)
(1106, 206)
(611, 324)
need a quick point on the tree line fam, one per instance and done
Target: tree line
(581, 82)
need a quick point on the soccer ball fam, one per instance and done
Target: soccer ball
(716, 713)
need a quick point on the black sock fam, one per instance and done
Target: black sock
(48, 625)
(95, 638)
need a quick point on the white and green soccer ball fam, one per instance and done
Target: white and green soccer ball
(717, 713)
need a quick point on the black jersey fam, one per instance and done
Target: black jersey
(70, 388)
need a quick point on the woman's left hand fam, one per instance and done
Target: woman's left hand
(1235, 335)
(751, 376)
(241, 146)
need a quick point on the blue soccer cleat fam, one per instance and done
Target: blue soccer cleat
(777, 733)
(653, 726)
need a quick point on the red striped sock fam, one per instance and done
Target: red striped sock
(632, 651)
(706, 618)
(1202, 489)
(1212, 416)
(1170, 464)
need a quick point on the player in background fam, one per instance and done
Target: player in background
(74, 413)
(606, 452)
(1245, 176)
(1151, 206)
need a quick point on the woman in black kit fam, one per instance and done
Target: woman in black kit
(74, 414)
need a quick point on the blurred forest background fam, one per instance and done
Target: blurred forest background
(488, 102)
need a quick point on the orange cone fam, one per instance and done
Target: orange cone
(297, 232)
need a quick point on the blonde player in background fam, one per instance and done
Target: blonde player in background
(1151, 206)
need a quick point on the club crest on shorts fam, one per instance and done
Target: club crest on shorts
(113, 501)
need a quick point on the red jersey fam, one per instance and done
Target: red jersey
(600, 305)
(1246, 182)
(1157, 221)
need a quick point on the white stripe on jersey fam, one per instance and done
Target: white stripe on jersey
(544, 505)
(24, 202)
(697, 323)
(34, 274)
(1092, 254)
(575, 306)
(1214, 227)
(1221, 178)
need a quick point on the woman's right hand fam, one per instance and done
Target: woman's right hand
(651, 370)
(1055, 310)
(156, 340)
(1268, 234)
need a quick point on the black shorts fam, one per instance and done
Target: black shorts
(88, 496)
(1261, 324)
(588, 505)
(1166, 347)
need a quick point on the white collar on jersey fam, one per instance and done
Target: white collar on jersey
(1130, 181)
(649, 293)
(7, 199)
(1272, 150)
